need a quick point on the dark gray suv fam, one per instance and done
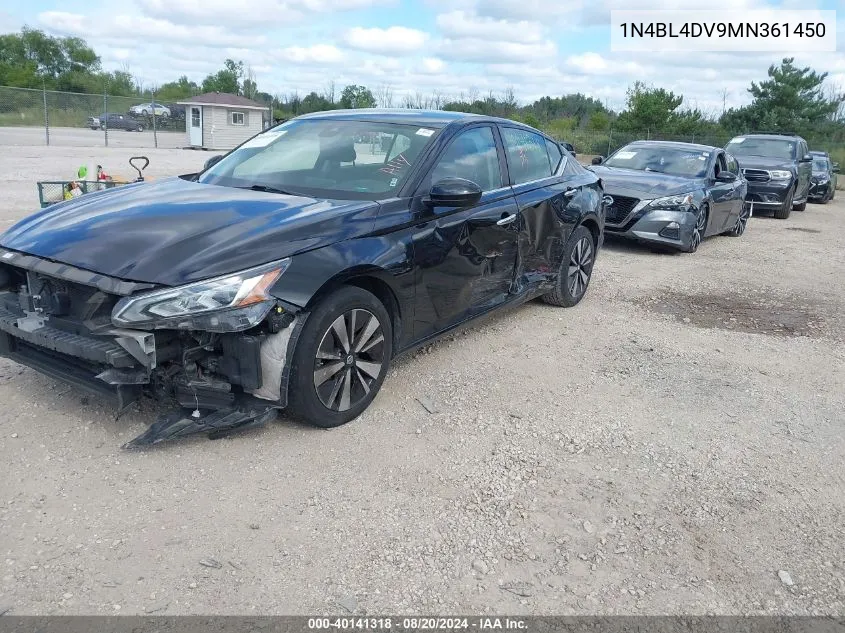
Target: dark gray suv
(778, 169)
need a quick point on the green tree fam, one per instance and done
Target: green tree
(354, 96)
(648, 108)
(175, 90)
(599, 121)
(791, 99)
(225, 80)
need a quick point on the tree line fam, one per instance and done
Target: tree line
(790, 98)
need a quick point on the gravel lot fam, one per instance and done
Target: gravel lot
(23, 137)
(674, 444)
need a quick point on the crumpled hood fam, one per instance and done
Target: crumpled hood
(177, 231)
(637, 183)
(763, 162)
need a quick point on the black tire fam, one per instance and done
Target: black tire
(786, 207)
(700, 229)
(140, 128)
(144, 113)
(741, 222)
(800, 207)
(314, 359)
(576, 269)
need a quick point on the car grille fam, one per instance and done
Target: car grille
(619, 210)
(756, 175)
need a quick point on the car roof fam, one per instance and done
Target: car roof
(769, 136)
(429, 118)
(818, 153)
(676, 145)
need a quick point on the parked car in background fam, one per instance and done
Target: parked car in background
(283, 278)
(672, 194)
(94, 122)
(148, 109)
(823, 181)
(777, 167)
(118, 121)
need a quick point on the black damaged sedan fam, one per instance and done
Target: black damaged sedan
(672, 195)
(290, 273)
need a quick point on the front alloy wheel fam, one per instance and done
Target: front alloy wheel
(349, 359)
(341, 358)
(698, 230)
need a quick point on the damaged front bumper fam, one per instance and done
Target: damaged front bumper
(56, 320)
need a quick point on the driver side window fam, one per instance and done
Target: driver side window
(471, 155)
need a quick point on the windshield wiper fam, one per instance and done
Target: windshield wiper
(268, 189)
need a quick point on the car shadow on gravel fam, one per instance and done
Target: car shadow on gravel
(758, 312)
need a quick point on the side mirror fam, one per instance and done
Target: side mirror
(835, 168)
(454, 192)
(807, 159)
(598, 160)
(726, 176)
(212, 161)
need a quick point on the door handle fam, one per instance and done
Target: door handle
(506, 220)
(570, 192)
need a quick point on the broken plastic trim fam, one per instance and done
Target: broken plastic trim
(217, 424)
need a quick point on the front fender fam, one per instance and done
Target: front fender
(381, 257)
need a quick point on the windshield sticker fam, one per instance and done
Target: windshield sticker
(263, 140)
(625, 155)
(738, 139)
(395, 166)
(393, 182)
(424, 131)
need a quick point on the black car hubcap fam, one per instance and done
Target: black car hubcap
(349, 359)
(580, 266)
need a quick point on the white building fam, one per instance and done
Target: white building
(220, 121)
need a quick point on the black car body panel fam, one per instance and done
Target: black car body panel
(631, 213)
(764, 190)
(824, 177)
(173, 232)
(65, 271)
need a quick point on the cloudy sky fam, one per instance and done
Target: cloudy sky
(538, 47)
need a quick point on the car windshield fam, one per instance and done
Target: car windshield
(820, 164)
(325, 158)
(768, 147)
(688, 163)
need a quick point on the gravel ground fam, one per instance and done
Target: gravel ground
(674, 444)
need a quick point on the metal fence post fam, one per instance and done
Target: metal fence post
(609, 138)
(46, 115)
(105, 123)
(155, 132)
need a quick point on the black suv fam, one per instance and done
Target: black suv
(116, 121)
(778, 169)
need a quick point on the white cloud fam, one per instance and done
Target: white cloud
(259, 14)
(396, 40)
(594, 64)
(462, 24)
(317, 54)
(479, 50)
(432, 65)
(119, 27)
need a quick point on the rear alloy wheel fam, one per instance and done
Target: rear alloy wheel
(786, 208)
(698, 230)
(741, 222)
(341, 358)
(576, 269)
(140, 128)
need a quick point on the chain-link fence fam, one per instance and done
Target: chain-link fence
(34, 117)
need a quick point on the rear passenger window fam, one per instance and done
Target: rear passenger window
(554, 155)
(528, 158)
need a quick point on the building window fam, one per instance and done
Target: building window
(237, 118)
